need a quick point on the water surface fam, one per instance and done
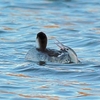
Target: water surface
(76, 23)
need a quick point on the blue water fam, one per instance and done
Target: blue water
(75, 23)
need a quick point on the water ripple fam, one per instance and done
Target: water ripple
(74, 23)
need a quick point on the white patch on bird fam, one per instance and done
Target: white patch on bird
(37, 43)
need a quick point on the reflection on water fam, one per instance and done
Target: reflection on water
(75, 23)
